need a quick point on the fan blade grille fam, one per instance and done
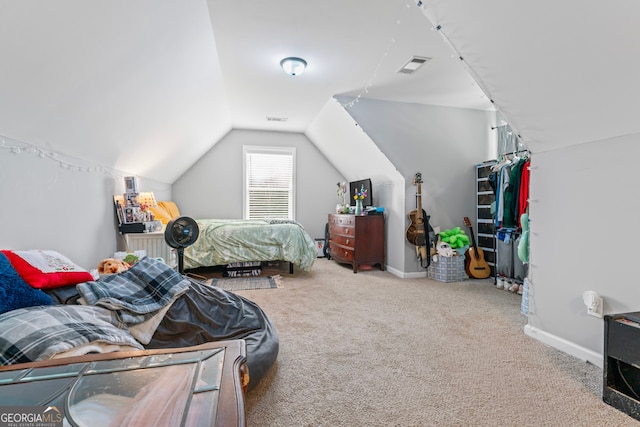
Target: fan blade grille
(181, 232)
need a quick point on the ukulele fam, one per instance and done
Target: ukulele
(417, 232)
(475, 265)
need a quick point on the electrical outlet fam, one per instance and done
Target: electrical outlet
(595, 308)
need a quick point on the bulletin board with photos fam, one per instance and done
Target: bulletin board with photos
(133, 209)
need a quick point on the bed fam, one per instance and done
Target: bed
(230, 241)
(223, 242)
(66, 311)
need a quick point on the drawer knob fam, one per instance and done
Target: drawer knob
(346, 231)
(347, 241)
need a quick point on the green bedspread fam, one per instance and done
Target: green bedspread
(223, 241)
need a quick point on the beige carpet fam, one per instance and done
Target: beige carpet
(369, 349)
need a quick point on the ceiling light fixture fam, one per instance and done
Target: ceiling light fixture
(293, 66)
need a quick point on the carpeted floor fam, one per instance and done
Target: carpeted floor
(369, 349)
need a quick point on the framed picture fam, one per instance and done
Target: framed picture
(130, 184)
(129, 214)
(119, 213)
(131, 199)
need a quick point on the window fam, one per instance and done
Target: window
(269, 182)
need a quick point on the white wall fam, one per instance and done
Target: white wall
(348, 147)
(443, 144)
(584, 212)
(46, 206)
(212, 188)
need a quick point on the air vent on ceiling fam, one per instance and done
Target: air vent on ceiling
(413, 64)
(276, 119)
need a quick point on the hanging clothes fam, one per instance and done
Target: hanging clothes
(523, 198)
(503, 183)
(511, 196)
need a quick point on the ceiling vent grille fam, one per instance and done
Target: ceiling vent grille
(276, 119)
(413, 64)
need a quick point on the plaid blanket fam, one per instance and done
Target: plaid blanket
(42, 332)
(138, 293)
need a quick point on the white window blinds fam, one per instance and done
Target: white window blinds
(269, 182)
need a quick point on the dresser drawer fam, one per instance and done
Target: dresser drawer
(344, 230)
(345, 220)
(343, 240)
(342, 252)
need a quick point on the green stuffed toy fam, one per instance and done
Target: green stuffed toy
(523, 245)
(455, 237)
(130, 259)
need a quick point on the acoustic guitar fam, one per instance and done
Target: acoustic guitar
(417, 231)
(475, 265)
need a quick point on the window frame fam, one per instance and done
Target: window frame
(247, 150)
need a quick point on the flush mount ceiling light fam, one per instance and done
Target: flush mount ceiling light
(293, 66)
(413, 64)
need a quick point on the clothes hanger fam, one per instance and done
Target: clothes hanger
(503, 162)
(515, 157)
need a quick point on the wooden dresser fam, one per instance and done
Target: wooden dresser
(357, 239)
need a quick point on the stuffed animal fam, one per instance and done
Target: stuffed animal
(130, 259)
(455, 237)
(444, 249)
(112, 266)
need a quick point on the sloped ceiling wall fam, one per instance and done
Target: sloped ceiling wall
(344, 143)
(561, 73)
(127, 84)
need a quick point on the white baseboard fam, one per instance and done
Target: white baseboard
(394, 271)
(416, 275)
(565, 346)
(404, 275)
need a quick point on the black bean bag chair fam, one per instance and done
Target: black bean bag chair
(207, 313)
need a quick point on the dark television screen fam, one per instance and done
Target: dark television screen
(366, 183)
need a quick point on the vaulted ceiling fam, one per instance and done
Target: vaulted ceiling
(148, 86)
(353, 48)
